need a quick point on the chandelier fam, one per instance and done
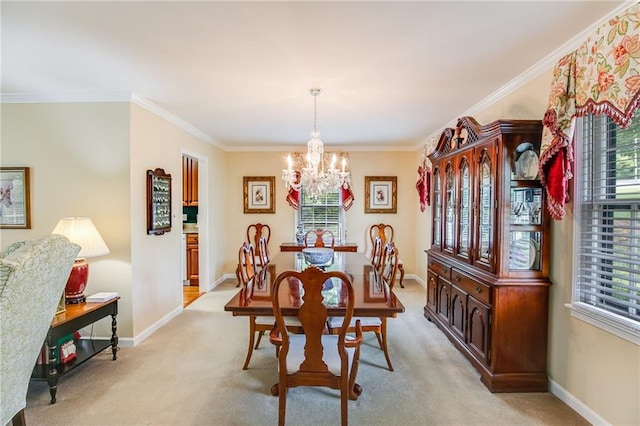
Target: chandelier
(316, 177)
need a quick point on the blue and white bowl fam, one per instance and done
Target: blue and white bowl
(317, 255)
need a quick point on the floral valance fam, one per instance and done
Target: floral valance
(602, 76)
(298, 162)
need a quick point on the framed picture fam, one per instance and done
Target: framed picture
(15, 210)
(259, 194)
(380, 194)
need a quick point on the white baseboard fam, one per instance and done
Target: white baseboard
(153, 328)
(577, 405)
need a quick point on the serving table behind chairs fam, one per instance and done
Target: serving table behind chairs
(372, 296)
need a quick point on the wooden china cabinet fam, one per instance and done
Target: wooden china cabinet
(488, 264)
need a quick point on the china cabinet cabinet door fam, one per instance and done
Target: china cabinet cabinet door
(485, 235)
(432, 288)
(442, 302)
(478, 329)
(457, 317)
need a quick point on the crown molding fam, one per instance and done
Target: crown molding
(45, 98)
(174, 119)
(38, 98)
(302, 147)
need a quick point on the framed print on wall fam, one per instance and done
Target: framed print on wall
(380, 194)
(259, 194)
(15, 210)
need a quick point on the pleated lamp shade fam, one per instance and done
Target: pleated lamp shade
(82, 231)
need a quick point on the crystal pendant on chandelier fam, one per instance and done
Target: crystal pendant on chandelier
(315, 177)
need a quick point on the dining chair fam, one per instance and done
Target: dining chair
(385, 233)
(315, 358)
(250, 277)
(319, 238)
(387, 273)
(255, 231)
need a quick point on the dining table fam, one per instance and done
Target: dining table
(373, 297)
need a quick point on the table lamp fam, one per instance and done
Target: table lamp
(80, 230)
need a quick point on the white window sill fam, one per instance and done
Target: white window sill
(607, 321)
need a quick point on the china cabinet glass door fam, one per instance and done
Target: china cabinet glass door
(486, 214)
(437, 209)
(449, 207)
(464, 225)
(526, 211)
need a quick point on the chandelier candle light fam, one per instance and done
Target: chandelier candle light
(314, 178)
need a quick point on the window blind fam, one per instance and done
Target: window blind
(608, 206)
(323, 214)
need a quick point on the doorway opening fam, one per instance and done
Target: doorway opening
(194, 227)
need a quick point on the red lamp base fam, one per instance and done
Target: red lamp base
(77, 282)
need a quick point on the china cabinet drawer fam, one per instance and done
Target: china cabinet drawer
(472, 287)
(440, 269)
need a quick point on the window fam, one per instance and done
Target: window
(325, 213)
(607, 226)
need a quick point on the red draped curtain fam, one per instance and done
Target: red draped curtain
(293, 196)
(602, 76)
(423, 184)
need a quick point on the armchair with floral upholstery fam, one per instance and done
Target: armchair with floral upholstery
(33, 275)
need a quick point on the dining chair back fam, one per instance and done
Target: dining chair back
(385, 232)
(315, 358)
(389, 264)
(250, 277)
(319, 238)
(376, 253)
(262, 254)
(246, 263)
(255, 231)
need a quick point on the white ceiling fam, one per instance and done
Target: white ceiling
(393, 73)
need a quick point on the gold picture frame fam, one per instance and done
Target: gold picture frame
(259, 194)
(15, 208)
(380, 194)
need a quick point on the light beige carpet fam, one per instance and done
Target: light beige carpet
(189, 373)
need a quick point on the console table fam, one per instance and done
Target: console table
(351, 247)
(74, 318)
